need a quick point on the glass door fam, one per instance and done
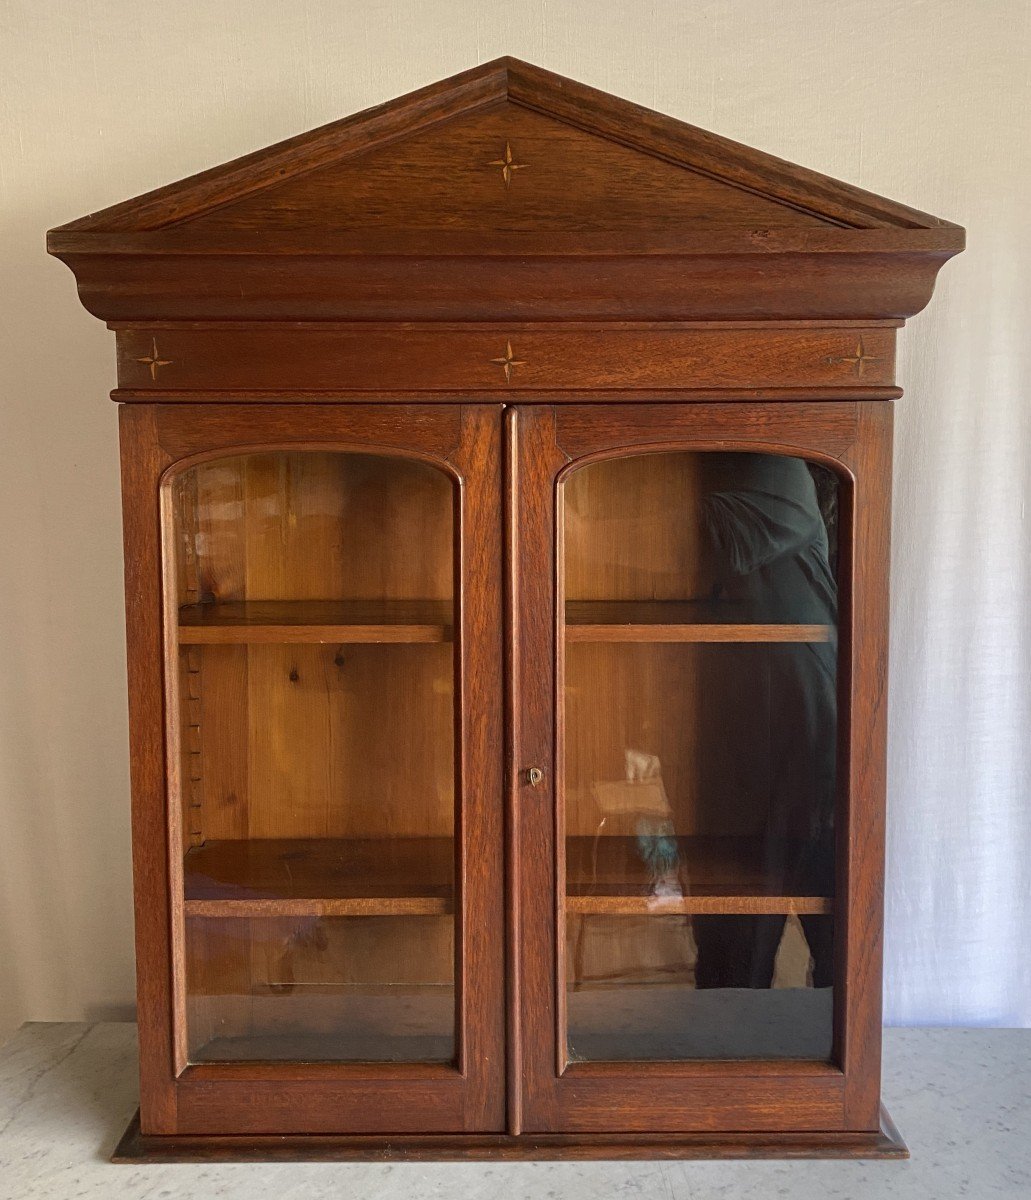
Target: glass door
(320, 857)
(696, 784)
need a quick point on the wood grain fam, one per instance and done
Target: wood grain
(155, 839)
(696, 282)
(885, 1143)
(863, 763)
(290, 361)
(566, 178)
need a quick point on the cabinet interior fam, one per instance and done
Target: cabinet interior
(314, 593)
(314, 601)
(677, 668)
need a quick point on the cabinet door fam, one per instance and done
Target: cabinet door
(698, 772)
(317, 827)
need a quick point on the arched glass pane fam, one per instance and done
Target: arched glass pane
(700, 737)
(310, 596)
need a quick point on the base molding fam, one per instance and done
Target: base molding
(136, 1147)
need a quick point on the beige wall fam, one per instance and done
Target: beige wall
(924, 100)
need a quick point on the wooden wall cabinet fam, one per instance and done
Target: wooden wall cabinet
(506, 480)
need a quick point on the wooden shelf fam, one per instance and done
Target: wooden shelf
(333, 621)
(344, 877)
(351, 621)
(327, 877)
(717, 875)
(676, 621)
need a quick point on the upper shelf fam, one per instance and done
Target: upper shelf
(333, 621)
(676, 621)
(280, 622)
(352, 621)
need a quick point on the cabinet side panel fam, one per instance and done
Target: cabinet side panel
(870, 461)
(142, 464)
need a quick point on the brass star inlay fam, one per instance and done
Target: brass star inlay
(153, 361)
(858, 360)
(508, 362)
(507, 164)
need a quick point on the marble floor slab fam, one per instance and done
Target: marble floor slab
(961, 1097)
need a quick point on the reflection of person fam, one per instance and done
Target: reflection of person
(771, 550)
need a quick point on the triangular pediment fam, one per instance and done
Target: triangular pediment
(505, 149)
(507, 169)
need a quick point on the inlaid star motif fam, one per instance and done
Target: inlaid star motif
(153, 361)
(507, 164)
(858, 360)
(508, 362)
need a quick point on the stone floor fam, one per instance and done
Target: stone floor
(961, 1097)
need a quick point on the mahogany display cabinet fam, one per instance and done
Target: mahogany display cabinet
(506, 477)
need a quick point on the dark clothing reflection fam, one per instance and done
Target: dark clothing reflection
(770, 546)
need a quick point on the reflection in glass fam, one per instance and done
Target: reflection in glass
(700, 745)
(313, 988)
(311, 596)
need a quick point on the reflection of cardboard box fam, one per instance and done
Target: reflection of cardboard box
(636, 797)
(630, 949)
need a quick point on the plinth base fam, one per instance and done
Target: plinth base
(136, 1147)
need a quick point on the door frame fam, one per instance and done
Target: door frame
(546, 1094)
(321, 1098)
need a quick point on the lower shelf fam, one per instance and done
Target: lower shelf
(294, 877)
(713, 875)
(329, 877)
(136, 1147)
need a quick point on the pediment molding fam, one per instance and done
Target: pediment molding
(508, 193)
(489, 88)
